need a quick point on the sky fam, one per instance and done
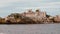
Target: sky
(52, 7)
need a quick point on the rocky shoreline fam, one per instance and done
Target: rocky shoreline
(30, 17)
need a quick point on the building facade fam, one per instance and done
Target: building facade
(37, 13)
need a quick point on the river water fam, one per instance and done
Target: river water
(30, 29)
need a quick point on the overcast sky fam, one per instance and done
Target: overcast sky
(7, 7)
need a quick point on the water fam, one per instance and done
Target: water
(30, 29)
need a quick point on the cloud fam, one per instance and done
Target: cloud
(9, 6)
(36, 4)
(4, 3)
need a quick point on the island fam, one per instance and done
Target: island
(30, 17)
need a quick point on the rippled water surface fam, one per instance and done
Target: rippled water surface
(30, 29)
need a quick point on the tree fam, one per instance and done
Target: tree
(47, 16)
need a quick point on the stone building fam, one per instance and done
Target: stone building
(37, 16)
(37, 13)
(30, 13)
